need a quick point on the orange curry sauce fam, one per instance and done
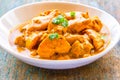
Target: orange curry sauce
(57, 35)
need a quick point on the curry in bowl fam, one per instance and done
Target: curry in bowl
(58, 35)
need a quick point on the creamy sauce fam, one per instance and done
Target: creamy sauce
(12, 36)
(52, 43)
(24, 51)
(107, 38)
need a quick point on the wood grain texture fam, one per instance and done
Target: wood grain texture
(106, 68)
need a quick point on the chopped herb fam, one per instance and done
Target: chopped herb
(65, 23)
(72, 14)
(53, 36)
(60, 20)
(56, 21)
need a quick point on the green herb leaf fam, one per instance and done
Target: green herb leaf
(72, 14)
(61, 18)
(65, 23)
(53, 36)
(56, 21)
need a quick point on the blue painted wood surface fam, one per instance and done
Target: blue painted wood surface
(106, 68)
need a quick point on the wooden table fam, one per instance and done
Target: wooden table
(106, 68)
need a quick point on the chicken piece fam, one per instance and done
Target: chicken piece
(79, 49)
(59, 29)
(33, 40)
(51, 26)
(87, 46)
(77, 15)
(40, 22)
(56, 28)
(95, 24)
(49, 47)
(78, 25)
(43, 36)
(98, 42)
(72, 38)
(20, 41)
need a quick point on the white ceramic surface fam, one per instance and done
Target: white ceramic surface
(26, 12)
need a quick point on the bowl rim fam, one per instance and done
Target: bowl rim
(11, 51)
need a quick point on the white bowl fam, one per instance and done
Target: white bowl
(26, 12)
